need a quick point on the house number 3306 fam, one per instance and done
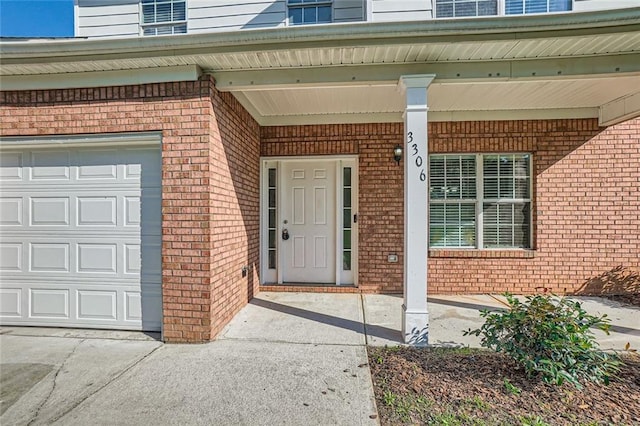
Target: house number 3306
(415, 154)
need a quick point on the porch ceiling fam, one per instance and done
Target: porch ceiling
(447, 101)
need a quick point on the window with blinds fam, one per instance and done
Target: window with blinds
(309, 11)
(480, 201)
(164, 17)
(462, 8)
(519, 7)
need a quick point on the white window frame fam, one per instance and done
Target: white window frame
(480, 200)
(308, 5)
(501, 8)
(171, 24)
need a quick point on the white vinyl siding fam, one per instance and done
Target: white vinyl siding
(400, 10)
(108, 18)
(220, 15)
(480, 201)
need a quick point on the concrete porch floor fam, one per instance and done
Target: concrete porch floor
(375, 319)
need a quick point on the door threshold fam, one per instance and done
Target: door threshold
(310, 287)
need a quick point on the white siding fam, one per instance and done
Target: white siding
(586, 5)
(108, 18)
(216, 15)
(401, 10)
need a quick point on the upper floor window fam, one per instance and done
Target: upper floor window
(518, 7)
(164, 17)
(460, 8)
(309, 11)
(463, 8)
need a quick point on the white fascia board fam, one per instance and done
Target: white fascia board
(100, 78)
(619, 110)
(434, 116)
(459, 72)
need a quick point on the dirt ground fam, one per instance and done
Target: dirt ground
(480, 387)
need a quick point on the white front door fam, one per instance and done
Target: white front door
(308, 228)
(308, 217)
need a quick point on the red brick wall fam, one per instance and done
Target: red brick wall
(586, 202)
(202, 133)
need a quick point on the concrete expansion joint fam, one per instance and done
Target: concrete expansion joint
(54, 384)
(109, 382)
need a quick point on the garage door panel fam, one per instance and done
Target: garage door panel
(11, 166)
(49, 303)
(11, 211)
(81, 237)
(50, 165)
(10, 302)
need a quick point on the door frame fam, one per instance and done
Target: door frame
(274, 276)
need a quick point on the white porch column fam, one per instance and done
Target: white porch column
(415, 316)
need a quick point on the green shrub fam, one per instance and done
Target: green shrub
(550, 337)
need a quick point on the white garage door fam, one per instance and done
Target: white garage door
(80, 235)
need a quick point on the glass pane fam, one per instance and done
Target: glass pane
(453, 166)
(310, 15)
(506, 187)
(490, 187)
(180, 29)
(559, 5)
(486, 8)
(163, 12)
(506, 166)
(436, 166)
(272, 218)
(453, 188)
(490, 214)
(324, 14)
(148, 15)
(468, 188)
(272, 259)
(167, 29)
(272, 178)
(149, 31)
(521, 188)
(295, 16)
(436, 189)
(272, 238)
(505, 214)
(465, 9)
(521, 166)
(505, 236)
(444, 11)
(535, 6)
(179, 13)
(490, 165)
(436, 236)
(468, 166)
(346, 235)
(467, 214)
(469, 236)
(514, 7)
(347, 218)
(347, 197)
(272, 197)
(436, 214)
(452, 236)
(346, 260)
(452, 213)
(490, 236)
(346, 173)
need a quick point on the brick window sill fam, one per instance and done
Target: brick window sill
(488, 254)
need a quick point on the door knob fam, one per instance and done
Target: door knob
(285, 234)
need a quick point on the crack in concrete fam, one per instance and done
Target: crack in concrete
(113, 379)
(55, 382)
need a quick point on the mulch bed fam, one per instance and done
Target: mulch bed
(479, 387)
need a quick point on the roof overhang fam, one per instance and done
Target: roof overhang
(575, 65)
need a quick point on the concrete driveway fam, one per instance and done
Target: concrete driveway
(286, 358)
